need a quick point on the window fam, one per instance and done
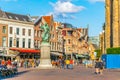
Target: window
(10, 43)
(23, 43)
(69, 48)
(35, 43)
(4, 41)
(37, 33)
(10, 17)
(16, 18)
(64, 32)
(23, 32)
(17, 41)
(24, 19)
(29, 32)
(29, 43)
(17, 31)
(69, 41)
(69, 33)
(38, 44)
(4, 29)
(11, 30)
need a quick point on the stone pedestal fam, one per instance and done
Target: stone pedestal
(45, 61)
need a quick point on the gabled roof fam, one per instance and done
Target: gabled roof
(36, 22)
(48, 19)
(57, 24)
(34, 18)
(18, 17)
(14, 16)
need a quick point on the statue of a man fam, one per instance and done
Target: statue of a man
(45, 33)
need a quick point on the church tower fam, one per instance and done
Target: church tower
(108, 25)
(115, 24)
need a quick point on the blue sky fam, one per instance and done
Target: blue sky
(79, 13)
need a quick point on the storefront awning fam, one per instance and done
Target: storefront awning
(56, 53)
(82, 55)
(25, 50)
(7, 55)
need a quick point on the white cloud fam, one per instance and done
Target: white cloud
(66, 7)
(96, 0)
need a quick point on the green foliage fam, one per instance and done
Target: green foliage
(113, 50)
(99, 53)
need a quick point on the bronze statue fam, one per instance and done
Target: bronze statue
(45, 33)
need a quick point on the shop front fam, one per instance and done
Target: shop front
(56, 55)
(27, 53)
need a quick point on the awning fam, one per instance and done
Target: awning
(82, 55)
(25, 50)
(7, 55)
(56, 53)
(13, 52)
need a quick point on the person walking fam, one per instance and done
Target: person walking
(101, 66)
(67, 61)
(97, 66)
(9, 64)
(62, 63)
(3, 63)
(71, 64)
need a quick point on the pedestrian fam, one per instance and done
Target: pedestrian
(71, 64)
(3, 63)
(97, 66)
(62, 63)
(101, 66)
(9, 64)
(67, 62)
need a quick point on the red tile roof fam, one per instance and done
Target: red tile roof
(48, 19)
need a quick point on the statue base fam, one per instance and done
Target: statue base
(45, 61)
(45, 64)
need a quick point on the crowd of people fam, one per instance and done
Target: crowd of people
(26, 63)
(8, 63)
(58, 63)
(8, 68)
(63, 63)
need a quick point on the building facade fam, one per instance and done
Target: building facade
(112, 27)
(75, 40)
(94, 40)
(17, 32)
(37, 33)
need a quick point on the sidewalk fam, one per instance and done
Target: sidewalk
(78, 73)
